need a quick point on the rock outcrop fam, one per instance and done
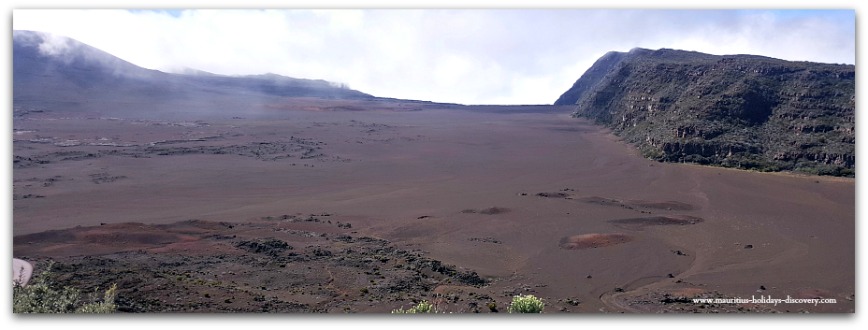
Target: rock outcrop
(741, 111)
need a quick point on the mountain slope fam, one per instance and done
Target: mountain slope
(49, 68)
(45, 65)
(740, 111)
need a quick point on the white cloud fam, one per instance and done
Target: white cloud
(464, 56)
(54, 45)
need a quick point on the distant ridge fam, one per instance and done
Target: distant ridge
(742, 111)
(51, 67)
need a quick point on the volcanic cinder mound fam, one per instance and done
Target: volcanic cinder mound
(593, 241)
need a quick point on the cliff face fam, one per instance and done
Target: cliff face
(738, 111)
(591, 78)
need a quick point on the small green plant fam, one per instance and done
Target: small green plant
(526, 304)
(43, 296)
(106, 306)
(422, 307)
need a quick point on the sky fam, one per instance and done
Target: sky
(468, 56)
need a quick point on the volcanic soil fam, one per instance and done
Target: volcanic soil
(339, 206)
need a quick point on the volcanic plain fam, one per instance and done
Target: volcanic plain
(313, 205)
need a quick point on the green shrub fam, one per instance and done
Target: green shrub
(43, 296)
(422, 308)
(107, 305)
(526, 304)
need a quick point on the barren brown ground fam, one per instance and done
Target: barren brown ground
(324, 208)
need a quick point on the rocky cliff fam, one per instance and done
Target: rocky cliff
(740, 111)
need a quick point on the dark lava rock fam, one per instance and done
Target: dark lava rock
(552, 195)
(272, 247)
